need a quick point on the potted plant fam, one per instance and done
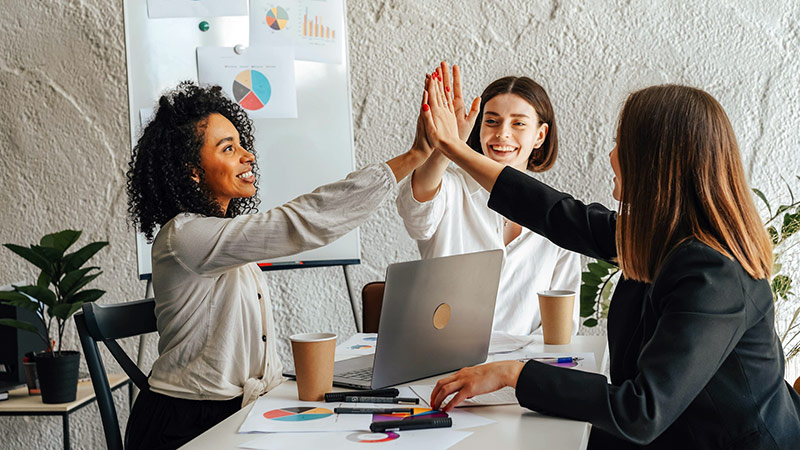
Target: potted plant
(57, 294)
(597, 282)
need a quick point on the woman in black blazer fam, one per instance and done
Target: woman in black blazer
(695, 360)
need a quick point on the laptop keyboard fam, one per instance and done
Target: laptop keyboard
(364, 374)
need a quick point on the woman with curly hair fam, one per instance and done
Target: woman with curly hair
(193, 174)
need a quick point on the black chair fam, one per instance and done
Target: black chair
(106, 323)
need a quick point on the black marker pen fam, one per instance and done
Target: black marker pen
(340, 396)
(414, 424)
(357, 399)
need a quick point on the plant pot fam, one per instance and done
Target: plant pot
(58, 376)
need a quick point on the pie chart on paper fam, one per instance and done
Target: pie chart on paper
(277, 18)
(298, 414)
(251, 89)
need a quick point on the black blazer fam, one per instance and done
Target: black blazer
(695, 360)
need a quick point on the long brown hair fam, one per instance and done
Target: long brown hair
(541, 158)
(682, 178)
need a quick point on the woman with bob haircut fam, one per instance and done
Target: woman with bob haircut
(695, 360)
(193, 173)
(445, 210)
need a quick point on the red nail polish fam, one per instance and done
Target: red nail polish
(425, 107)
(447, 88)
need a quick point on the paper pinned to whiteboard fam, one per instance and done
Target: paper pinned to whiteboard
(161, 9)
(259, 79)
(315, 28)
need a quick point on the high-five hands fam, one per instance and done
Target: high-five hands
(439, 115)
(471, 381)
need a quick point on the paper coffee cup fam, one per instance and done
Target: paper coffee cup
(313, 364)
(556, 309)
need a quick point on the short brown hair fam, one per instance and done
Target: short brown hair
(544, 157)
(682, 178)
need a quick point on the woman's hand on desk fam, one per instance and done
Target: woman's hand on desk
(471, 381)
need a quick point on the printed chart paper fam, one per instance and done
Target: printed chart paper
(505, 396)
(159, 9)
(282, 415)
(359, 344)
(260, 79)
(315, 28)
(503, 342)
(585, 361)
(433, 439)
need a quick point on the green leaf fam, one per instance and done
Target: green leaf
(43, 280)
(74, 281)
(591, 279)
(31, 256)
(781, 209)
(63, 311)
(590, 322)
(51, 255)
(41, 294)
(605, 294)
(19, 324)
(75, 260)
(18, 300)
(764, 199)
(773, 234)
(791, 223)
(60, 241)
(86, 296)
(781, 285)
(588, 302)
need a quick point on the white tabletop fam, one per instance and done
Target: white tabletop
(514, 427)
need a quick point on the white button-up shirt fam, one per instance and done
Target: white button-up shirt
(457, 220)
(214, 315)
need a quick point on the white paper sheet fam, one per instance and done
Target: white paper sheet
(504, 342)
(273, 415)
(585, 362)
(260, 79)
(505, 396)
(433, 439)
(315, 28)
(359, 344)
(157, 9)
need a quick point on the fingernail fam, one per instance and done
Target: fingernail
(425, 107)
(447, 88)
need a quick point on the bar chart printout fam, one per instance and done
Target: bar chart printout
(315, 28)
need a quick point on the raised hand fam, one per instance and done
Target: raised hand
(421, 143)
(465, 119)
(439, 114)
(471, 381)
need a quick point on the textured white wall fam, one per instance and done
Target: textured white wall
(64, 135)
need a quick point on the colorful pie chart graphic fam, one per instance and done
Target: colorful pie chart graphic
(359, 346)
(372, 438)
(251, 89)
(277, 18)
(298, 414)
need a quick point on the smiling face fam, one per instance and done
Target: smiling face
(227, 166)
(511, 130)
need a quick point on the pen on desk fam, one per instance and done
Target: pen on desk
(559, 360)
(373, 410)
(363, 399)
(340, 396)
(416, 424)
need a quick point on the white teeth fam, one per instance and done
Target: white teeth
(503, 148)
(247, 174)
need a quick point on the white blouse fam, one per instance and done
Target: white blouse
(215, 320)
(457, 220)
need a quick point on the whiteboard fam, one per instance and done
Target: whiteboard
(294, 155)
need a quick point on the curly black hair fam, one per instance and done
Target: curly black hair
(167, 155)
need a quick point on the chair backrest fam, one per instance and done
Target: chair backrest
(106, 323)
(371, 303)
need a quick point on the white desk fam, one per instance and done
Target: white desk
(514, 427)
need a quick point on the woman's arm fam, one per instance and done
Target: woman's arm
(586, 229)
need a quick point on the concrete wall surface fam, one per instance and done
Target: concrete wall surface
(64, 142)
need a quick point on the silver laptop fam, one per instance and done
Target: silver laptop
(436, 317)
